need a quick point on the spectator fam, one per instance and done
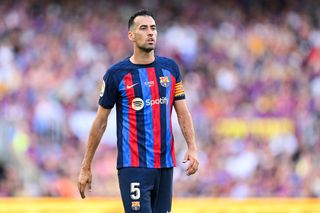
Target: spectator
(251, 74)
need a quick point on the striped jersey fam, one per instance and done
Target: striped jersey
(144, 96)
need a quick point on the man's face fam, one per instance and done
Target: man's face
(144, 33)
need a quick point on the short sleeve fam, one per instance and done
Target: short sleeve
(109, 90)
(179, 93)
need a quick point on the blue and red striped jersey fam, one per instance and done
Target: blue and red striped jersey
(144, 96)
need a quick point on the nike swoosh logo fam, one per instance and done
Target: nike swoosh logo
(130, 86)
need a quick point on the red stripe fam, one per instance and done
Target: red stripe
(171, 103)
(155, 117)
(133, 142)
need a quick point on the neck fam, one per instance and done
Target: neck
(142, 57)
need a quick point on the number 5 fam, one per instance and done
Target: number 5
(135, 191)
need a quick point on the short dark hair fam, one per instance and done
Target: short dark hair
(142, 12)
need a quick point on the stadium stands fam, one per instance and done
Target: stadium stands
(251, 71)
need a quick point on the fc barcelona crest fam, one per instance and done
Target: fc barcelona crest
(135, 205)
(164, 81)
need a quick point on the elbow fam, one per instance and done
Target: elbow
(103, 126)
(184, 115)
(100, 125)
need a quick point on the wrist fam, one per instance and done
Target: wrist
(192, 147)
(85, 166)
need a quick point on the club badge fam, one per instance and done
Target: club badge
(135, 205)
(164, 81)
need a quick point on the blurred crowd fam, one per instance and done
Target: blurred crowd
(243, 63)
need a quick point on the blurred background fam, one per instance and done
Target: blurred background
(251, 71)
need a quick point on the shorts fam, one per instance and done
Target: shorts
(146, 190)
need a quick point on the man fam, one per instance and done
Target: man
(144, 88)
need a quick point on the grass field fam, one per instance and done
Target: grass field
(109, 205)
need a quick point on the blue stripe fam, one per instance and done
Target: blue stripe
(169, 161)
(140, 127)
(125, 126)
(119, 136)
(148, 125)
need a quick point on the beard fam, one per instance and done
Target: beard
(146, 48)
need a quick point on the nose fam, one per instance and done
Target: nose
(150, 33)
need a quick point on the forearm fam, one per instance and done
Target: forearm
(96, 133)
(186, 125)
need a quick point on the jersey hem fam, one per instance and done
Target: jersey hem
(145, 167)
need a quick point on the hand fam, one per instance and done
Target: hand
(85, 177)
(191, 156)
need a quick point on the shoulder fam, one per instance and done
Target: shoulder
(169, 64)
(166, 61)
(118, 69)
(121, 65)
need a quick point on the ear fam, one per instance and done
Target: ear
(131, 35)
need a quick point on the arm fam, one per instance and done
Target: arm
(186, 126)
(98, 127)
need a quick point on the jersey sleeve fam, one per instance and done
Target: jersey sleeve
(109, 90)
(179, 93)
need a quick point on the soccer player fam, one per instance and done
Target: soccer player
(144, 88)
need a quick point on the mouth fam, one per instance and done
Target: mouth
(150, 41)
